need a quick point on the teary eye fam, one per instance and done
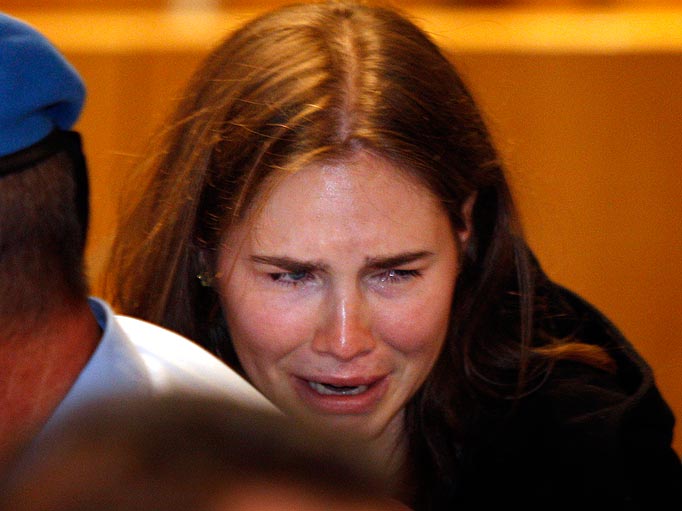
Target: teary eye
(393, 276)
(291, 278)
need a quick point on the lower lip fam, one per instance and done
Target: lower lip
(342, 405)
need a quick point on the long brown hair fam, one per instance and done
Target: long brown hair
(310, 83)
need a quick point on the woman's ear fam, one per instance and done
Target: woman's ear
(205, 263)
(467, 217)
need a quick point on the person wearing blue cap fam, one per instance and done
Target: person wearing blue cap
(59, 347)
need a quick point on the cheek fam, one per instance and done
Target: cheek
(418, 326)
(422, 331)
(263, 331)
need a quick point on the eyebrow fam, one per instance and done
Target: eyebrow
(379, 263)
(289, 264)
(386, 263)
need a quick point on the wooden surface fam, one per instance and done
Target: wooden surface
(584, 103)
(476, 30)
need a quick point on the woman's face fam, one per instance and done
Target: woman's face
(337, 293)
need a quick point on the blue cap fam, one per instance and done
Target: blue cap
(39, 90)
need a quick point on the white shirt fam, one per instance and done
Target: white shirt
(138, 358)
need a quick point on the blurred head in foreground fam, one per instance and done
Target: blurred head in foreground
(187, 452)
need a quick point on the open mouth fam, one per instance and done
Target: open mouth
(327, 389)
(342, 396)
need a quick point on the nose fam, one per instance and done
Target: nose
(345, 328)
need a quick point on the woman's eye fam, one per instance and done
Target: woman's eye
(291, 278)
(394, 276)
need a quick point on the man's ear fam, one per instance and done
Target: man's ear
(467, 214)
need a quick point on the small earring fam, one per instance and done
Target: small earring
(205, 278)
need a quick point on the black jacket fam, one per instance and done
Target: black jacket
(586, 439)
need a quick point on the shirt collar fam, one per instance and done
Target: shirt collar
(115, 368)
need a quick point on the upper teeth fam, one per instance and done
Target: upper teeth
(332, 390)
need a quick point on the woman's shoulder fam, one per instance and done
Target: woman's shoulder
(585, 432)
(578, 392)
(605, 433)
(582, 436)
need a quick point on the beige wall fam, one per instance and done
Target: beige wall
(592, 135)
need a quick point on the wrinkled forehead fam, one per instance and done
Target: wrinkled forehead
(365, 206)
(337, 177)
